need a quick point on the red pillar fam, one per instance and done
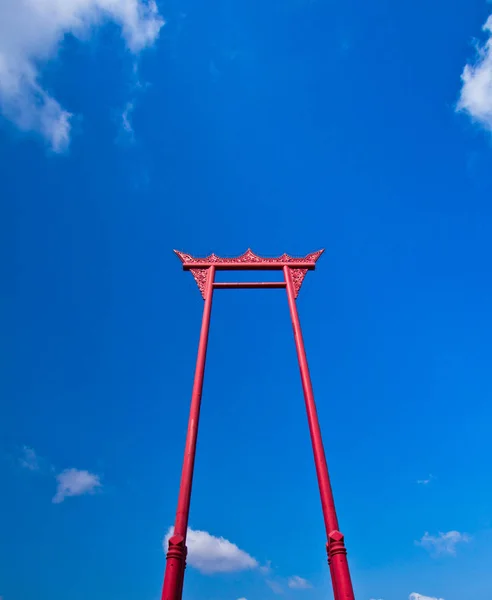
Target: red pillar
(176, 555)
(337, 554)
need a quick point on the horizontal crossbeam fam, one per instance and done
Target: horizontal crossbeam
(250, 266)
(243, 285)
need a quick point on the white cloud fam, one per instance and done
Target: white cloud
(298, 583)
(210, 554)
(126, 123)
(416, 596)
(425, 481)
(266, 568)
(476, 91)
(31, 32)
(29, 460)
(237, 599)
(73, 482)
(275, 586)
(443, 543)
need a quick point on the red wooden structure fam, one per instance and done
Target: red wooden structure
(294, 269)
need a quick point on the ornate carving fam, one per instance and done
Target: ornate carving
(248, 257)
(297, 279)
(200, 274)
(315, 255)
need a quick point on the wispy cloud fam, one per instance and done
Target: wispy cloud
(29, 460)
(476, 91)
(443, 543)
(210, 554)
(70, 482)
(415, 596)
(425, 481)
(275, 586)
(278, 585)
(73, 482)
(298, 583)
(126, 123)
(266, 568)
(31, 33)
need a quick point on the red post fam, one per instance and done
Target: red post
(337, 554)
(176, 555)
(294, 269)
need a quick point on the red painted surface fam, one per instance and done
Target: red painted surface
(176, 556)
(251, 266)
(250, 285)
(249, 261)
(295, 269)
(337, 555)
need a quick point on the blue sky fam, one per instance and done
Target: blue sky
(128, 129)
